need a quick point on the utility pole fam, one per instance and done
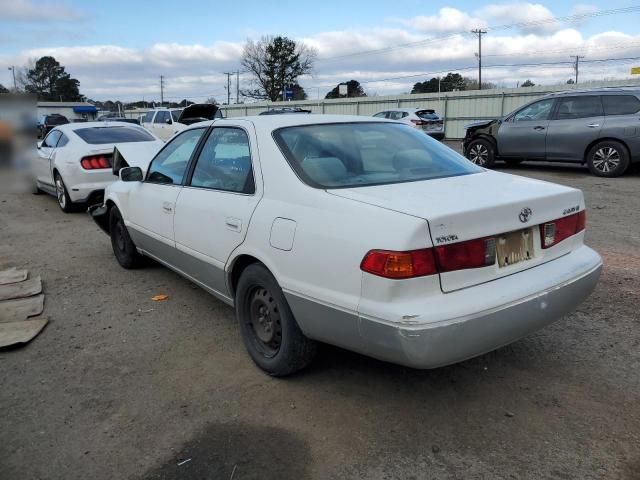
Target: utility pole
(238, 86)
(13, 70)
(479, 32)
(162, 90)
(577, 65)
(228, 74)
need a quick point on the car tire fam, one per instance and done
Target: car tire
(64, 201)
(123, 247)
(608, 158)
(481, 152)
(269, 330)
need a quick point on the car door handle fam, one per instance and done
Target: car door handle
(167, 207)
(593, 125)
(538, 128)
(233, 224)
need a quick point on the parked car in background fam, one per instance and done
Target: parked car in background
(116, 118)
(73, 162)
(166, 122)
(424, 119)
(278, 111)
(47, 122)
(354, 231)
(596, 127)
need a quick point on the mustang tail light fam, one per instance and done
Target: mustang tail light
(96, 162)
(389, 264)
(552, 233)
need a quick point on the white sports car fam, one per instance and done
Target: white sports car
(74, 161)
(354, 231)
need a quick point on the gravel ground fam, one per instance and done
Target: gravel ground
(120, 387)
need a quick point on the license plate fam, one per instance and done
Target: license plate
(514, 247)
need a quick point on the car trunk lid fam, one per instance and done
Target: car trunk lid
(487, 204)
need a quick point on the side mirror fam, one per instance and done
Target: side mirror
(39, 145)
(168, 121)
(130, 174)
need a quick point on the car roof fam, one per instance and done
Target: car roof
(597, 91)
(70, 127)
(273, 122)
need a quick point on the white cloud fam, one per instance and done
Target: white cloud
(36, 11)
(528, 17)
(446, 20)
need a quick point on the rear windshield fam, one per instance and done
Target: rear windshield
(347, 155)
(101, 135)
(427, 114)
(57, 120)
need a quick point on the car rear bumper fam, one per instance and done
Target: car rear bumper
(509, 309)
(91, 192)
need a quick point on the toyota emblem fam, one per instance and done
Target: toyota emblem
(525, 214)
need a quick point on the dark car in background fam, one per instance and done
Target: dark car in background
(279, 111)
(46, 123)
(116, 118)
(597, 127)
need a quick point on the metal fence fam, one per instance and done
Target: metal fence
(458, 108)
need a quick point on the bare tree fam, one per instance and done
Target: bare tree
(275, 63)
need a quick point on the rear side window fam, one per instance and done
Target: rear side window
(148, 117)
(52, 139)
(396, 115)
(381, 115)
(620, 104)
(103, 135)
(346, 155)
(579, 107)
(175, 115)
(225, 162)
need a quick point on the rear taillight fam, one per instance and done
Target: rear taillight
(389, 264)
(418, 122)
(95, 162)
(476, 253)
(552, 233)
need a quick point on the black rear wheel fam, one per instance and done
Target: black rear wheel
(608, 159)
(123, 247)
(269, 331)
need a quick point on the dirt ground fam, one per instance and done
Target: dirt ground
(120, 387)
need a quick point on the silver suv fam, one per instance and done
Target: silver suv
(598, 127)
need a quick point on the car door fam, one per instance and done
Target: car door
(151, 207)
(215, 206)
(523, 134)
(576, 123)
(44, 156)
(160, 126)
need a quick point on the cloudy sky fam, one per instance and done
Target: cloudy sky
(118, 49)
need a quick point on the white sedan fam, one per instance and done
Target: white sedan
(74, 161)
(358, 232)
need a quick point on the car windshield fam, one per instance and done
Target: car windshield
(347, 155)
(103, 135)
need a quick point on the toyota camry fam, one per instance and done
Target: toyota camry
(358, 232)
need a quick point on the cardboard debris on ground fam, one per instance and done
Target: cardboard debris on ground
(26, 288)
(21, 308)
(21, 332)
(12, 275)
(159, 298)
(20, 298)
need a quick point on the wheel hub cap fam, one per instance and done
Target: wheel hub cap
(60, 192)
(265, 320)
(479, 154)
(606, 159)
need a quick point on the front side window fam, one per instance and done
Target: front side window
(347, 155)
(396, 115)
(620, 104)
(579, 107)
(148, 117)
(52, 139)
(106, 135)
(225, 162)
(161, 117)
(175, 115)
(536, 111)
(381, 115)
(169, 165)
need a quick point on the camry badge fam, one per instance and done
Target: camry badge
(525, 214)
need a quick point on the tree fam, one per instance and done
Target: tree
(298, 92)
(211, 100)
(3, 89)
(275, 62)
(571, 81)
(428, 86)
(354, 89)
(448, 83)
(528, 83)
(49, 81)
(472, 84)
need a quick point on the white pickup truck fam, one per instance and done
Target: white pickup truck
(164, 123)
